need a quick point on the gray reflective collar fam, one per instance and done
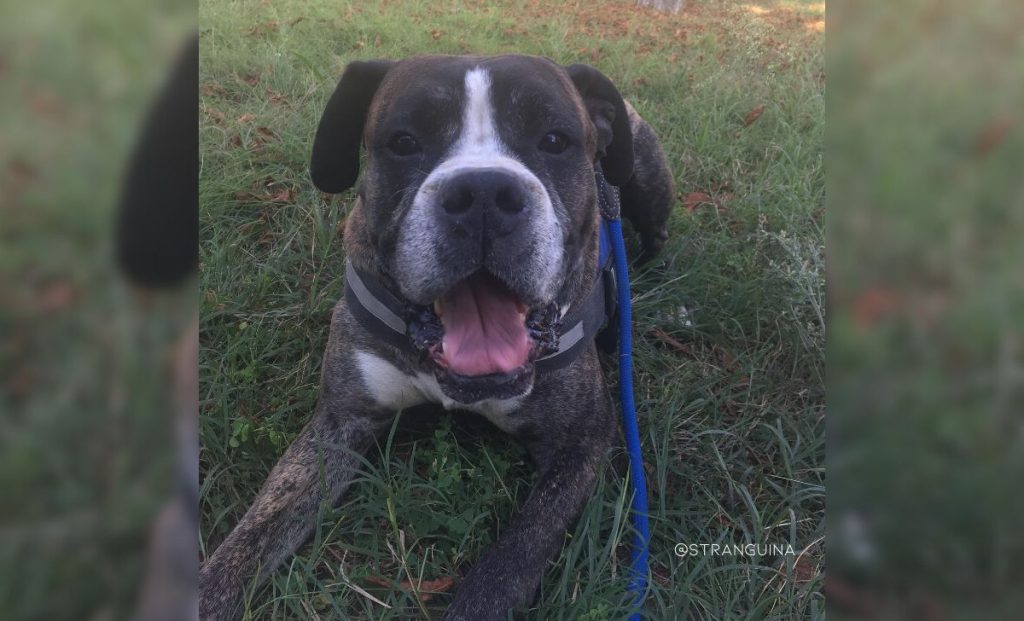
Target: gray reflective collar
(377, 307)
(382, 313)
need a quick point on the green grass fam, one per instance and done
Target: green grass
(732, 415)
(85, 455)
(926, 214)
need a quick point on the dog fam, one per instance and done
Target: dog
(477, 211)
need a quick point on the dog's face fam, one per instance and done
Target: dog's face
(478, 197)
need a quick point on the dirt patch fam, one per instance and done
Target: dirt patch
(619, 20)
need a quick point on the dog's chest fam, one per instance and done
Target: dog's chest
(396, 390)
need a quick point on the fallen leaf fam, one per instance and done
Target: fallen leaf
(252, 79)
(665, 338)
(246, 118)
(276, 98)
(753, 115)
(21, 170)
(694, 200)
(872, 305)
(284, 196)
(44, 103)
(296, 20)
(725, 358)
(379, 581)
(440, 585)
(263, 28)
(436, 34)
(425, 589)
(215, 115)
(266, 131)
(993, 135)
(803, 569)
(56, 296)
(213, 89)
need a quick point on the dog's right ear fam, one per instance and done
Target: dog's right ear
(608, 112)
(334, 165)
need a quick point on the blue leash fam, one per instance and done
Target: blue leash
(641, 542)
(642, 539)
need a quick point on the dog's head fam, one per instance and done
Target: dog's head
(477, 199)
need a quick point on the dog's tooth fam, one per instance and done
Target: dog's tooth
(437, 307)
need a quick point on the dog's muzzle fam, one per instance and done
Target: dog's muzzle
(485, 205)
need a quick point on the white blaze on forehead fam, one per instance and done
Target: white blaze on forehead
(478, 146)
(479, 132)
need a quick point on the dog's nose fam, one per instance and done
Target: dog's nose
(482, 200)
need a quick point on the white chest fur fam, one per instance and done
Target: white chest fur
(393, 389)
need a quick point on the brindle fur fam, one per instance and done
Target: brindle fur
(648, 195)
(567, 424)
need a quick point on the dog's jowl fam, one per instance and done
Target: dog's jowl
(473, 242)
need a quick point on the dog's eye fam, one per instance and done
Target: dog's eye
(403, 144)
(554, 142)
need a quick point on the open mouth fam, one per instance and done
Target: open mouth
(483, 339)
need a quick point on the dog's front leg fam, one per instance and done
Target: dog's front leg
(508, 574)
(567, 449)
(316, 468)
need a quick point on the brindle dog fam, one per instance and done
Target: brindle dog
(478, 205)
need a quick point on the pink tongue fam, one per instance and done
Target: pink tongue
(483, 331)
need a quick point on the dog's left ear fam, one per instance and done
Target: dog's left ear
(608, 113)
(334, 165)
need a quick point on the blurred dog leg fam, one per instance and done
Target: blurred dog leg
(169, 590)
(157, 244)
